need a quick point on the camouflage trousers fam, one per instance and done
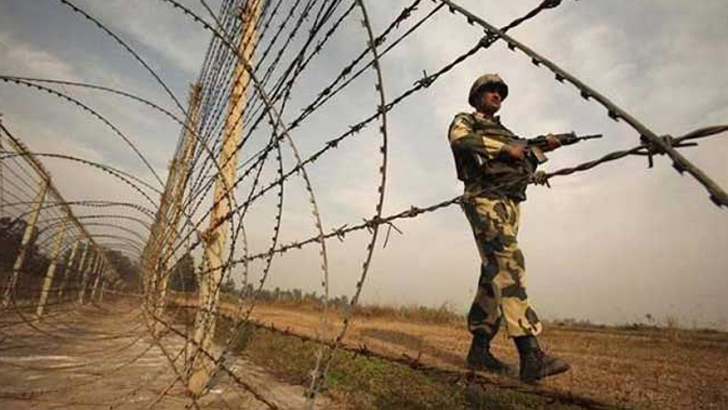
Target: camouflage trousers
(502, 283)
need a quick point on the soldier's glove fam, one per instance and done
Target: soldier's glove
(540, 178)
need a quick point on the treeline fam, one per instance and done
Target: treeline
(184, 279)
(37, 260)
(289, 297)
(35, 263)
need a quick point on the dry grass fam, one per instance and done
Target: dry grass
(637, 366)
(444, 314)
(371, 384)
(413, 313)
(672, 329)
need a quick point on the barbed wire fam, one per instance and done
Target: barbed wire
(452, 375)
(291, 39)
(680, 163)
(90, 111)
(133, 53)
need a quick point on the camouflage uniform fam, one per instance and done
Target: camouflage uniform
(494, 186)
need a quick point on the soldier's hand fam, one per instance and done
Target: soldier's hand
(517, 151)
(553, 141)
(540, 178)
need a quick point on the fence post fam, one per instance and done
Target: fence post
(103, 286)
(67, 270)
(179, 177)
(82, 264)
(102, 268)
(89, 269)
(48, 282)
(2, 177)
(27, 236)
(202, 367)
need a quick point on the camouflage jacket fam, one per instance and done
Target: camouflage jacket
(478, 145)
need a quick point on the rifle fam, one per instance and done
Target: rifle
(534, 150)
(536, 146)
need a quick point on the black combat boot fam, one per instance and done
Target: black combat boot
(480, 359)
(535, 364)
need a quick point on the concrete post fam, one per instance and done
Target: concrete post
(180, 171)
(155, 259)
(27, 236)
(216, 235)
(48, 282)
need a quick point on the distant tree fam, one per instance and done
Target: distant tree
(35, 263)
(11, 235)
(127, 270)
(228, 286)
(183, 278)
(340, 302)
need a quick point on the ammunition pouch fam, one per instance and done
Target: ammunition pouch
(469, 165)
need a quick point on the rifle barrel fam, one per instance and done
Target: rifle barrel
(589, 137)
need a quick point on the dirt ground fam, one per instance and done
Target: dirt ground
(103, 357)
(642, 368)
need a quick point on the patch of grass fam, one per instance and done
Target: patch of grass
(239, 342)
(370, 383)
(367, 383)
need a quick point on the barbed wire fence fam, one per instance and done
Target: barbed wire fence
(52, 236)
(256, 67)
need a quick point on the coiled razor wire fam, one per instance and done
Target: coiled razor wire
(271, 87)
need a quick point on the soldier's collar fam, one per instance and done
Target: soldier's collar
(479, 115)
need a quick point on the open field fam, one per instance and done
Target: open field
(104, 356)
(634, 368)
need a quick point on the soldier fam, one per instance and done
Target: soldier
(493, 164)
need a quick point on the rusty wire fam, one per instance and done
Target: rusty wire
(268, 103)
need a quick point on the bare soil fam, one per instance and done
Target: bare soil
(104, 357)
(639, 368)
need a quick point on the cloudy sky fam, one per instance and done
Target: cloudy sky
(610, 245)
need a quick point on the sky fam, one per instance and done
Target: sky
(610, 245)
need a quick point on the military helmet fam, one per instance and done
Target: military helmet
(484, 80)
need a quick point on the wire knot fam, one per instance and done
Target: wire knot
(489, 38)
(656, 149)
(426, 80)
